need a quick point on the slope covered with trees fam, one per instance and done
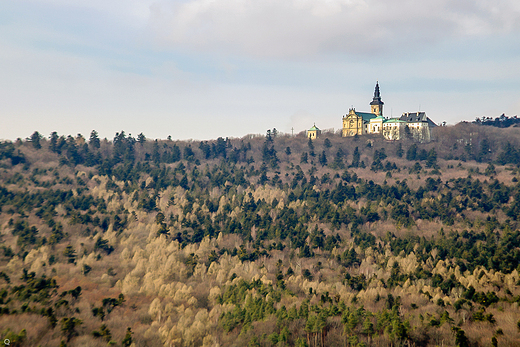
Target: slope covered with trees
(266, 240)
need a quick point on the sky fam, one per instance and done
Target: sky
(200, 69)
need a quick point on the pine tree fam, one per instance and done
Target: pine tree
(94, 139)
(411, 153)
(368, 327)
(355, 158)
(400, 150)
(68, 327)
(310, 327)
(431, 159)
(127, 341)
(323, 158)
(53, 145)
(304, 158)
(460, 337)
(35, 140)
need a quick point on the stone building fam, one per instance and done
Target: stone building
(419, 125)
(360, 123)
(394, 129)
(416, 125)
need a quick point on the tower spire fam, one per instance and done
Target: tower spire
(376, 106)
(377, 93)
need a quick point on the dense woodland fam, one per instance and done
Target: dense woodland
(266, 240)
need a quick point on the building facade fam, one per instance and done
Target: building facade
(360, 123)
(394, 129)
(313, 132)
(419, 125)
(416, 125)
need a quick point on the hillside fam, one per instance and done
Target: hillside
(261, 241)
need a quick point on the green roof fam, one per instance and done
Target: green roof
(366, 115)
(393, 120)
(313, 128)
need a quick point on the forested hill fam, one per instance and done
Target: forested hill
(265, 240)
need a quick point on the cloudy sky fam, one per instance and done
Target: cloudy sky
(207, 68)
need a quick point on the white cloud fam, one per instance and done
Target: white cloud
(299, 28)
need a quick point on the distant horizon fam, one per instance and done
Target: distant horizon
(254, 134)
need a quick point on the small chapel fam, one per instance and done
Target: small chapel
(313, 132)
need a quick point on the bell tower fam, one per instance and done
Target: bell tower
(376, 106)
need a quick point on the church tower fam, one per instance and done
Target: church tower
(376, 106)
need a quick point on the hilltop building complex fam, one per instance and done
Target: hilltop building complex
(416, 124)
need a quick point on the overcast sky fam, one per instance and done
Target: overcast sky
(207, 68)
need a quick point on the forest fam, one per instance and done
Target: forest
(265, 240)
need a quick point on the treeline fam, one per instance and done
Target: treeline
(463, 142)
(500, 122)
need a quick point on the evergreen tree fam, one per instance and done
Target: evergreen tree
(304, 158)
(141, 138)
(70, 253)
(310, 144)
(94, 139)
(310, 328)
(400, 150)
(35, 140)
(368, 327)
(327, 143)
(269, 136)
(338, 160)
(323, 158)
(460, 337)
(355, 158)
(490, 170)
(431, 159)
(68, 327)
(484, 151)
(53, 143)
(411, 153)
